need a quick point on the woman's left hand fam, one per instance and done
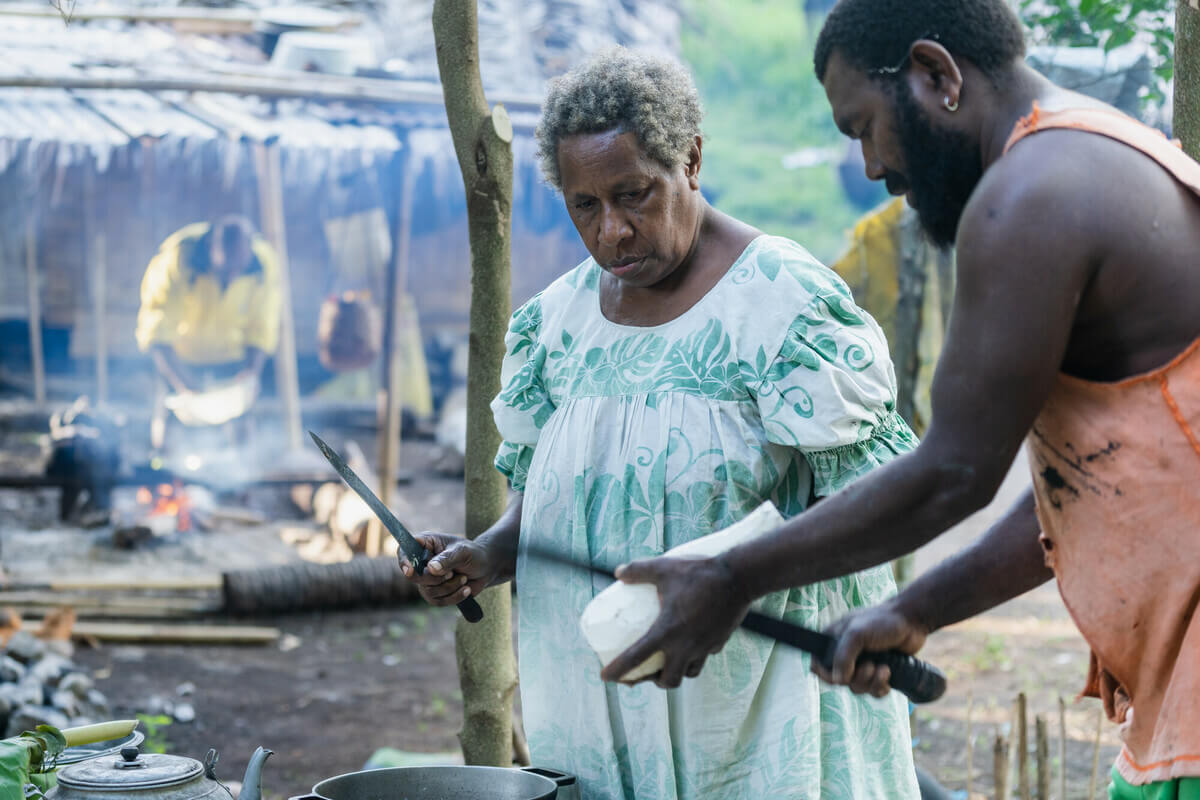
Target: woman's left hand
(701, 608)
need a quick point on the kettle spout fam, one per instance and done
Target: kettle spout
(252, 782)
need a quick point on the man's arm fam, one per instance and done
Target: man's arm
(1004, 563)
(174, 371)
(1019, 281)
(253, 363)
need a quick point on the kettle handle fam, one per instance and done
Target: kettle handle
(559, 778)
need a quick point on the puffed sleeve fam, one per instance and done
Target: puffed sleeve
(831, 392)
(524, 403)
(158, 315)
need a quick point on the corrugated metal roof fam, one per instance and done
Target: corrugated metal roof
(141, 115)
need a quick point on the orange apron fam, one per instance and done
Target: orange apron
(1116, 474)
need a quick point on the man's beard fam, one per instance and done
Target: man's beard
(942, 168)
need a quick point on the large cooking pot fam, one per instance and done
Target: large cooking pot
(441, 783)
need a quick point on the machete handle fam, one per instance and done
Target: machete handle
(919, 681)
(470, 607)
(470, 610)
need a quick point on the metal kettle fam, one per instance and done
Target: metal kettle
(153, 776)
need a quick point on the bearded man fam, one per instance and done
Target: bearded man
(1075, 327)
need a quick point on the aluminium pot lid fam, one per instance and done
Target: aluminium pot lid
(148, 771)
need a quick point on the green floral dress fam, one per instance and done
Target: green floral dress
(628, 441)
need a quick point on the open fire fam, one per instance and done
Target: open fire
(166, 500)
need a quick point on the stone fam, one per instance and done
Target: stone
(67, 702)
(28, 717)
(76, 683)
(11, 670)
(185, 712)
(186, 689)
(96, 699)
(62, 647)
(50, 669)
(22, 694)
(156, 704)
(25, 647)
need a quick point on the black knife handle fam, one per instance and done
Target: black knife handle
(919, 681)
(470, 608)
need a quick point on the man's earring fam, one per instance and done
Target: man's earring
(951, 107)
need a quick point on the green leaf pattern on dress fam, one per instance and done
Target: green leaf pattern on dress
(629, 441)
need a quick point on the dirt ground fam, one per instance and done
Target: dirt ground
(338, 686)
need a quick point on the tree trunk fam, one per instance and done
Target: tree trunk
(1187, 75)
(483, 143)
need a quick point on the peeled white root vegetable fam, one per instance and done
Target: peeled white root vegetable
(621, 614)
(100, 732)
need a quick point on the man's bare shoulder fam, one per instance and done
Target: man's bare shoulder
(1049, 197)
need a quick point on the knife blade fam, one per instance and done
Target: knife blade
(919, 681)
(416, 553)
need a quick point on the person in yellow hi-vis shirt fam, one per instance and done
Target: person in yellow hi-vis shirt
(209, 313)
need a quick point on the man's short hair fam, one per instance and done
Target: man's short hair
(233, 232)
(653, 98)
(877, 34)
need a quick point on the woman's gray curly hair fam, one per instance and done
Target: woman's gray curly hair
(652, 97)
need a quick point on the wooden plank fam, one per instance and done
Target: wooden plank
(287, 382)
(167, 633)
(31, 615)
(36, 351)
(181, 584)
(127, 602)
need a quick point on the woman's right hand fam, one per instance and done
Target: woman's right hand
(460, 568)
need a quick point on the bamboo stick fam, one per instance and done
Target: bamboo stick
(1062, 749)
(1022, 748)
(1043, 757)
(970, 744)
(1096, 754)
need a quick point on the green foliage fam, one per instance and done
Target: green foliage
(29, 759)
(1102, 23)
(155, 727)
(752, 60)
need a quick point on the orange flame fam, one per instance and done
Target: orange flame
(170, 500)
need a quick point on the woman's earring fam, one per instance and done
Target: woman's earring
(950, 106)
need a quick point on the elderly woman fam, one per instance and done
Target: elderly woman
(686, 372)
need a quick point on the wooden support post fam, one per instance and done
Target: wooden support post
(397, 284)
(36, 353)
(96, 269)
(274, 228)
(100, 312)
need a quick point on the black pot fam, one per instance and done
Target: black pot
(442, 783)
